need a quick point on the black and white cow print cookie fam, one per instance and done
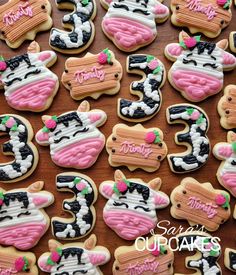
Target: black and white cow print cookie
(148, 88)
(230, 259)
(232, 41)
(80, 206)
(193, 137)
(79, 22)
(19, 146)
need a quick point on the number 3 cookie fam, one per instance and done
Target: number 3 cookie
(197, 72)
(20, 146)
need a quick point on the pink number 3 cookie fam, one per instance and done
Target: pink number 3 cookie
(197, 72)
(73, 136)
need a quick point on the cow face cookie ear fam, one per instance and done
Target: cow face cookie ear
(173, 51)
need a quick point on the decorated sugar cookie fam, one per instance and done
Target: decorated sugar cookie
(200, 204)
(29, 85)
(208, 251)
(15, 262)
(157, 259)
(197, 72)
(232, 41)
(227, 107)
(79, 22)
(92, 75)
(22, 220)
(148, 88)
(22, 19)
(80, 206)
(131, 207)
(132, 24)
(74, 258)
(193, 137)
(136, 147)
(19, 146)
(74, 138)
(226, 151)
(230, 259)
(207, 17)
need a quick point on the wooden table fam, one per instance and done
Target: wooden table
(101, 171)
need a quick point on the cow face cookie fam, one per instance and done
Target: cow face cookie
(131, 207)
(193, 137)
(208, 251)
(232, 41)
(157, 259)
(207, 17)
(21, 20)
(80, 206)
(22, 222)
(15, 262)
(20, 146)
(74, 138)
(132, 24)
(226, 107)
(74, 258)
(197, 72)
(79, 22)
(92, 75)
(136, 147)
(148, 89)
(29, 85)
(226, 151)
(200, 204)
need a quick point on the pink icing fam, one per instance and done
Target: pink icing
(127, 224)
(160, 200)
(195, 115)
(225, 151)
(42, 136)
(220, 199)
(161, 9)
(154, 250)
(209, 209)
(39, 200)
(221, 2)
(102, 58)
(228, 59)
(150, 137)
(80, 186)
(19, 264)
(130, 148)
(3, 66)
(197, 86)
(107, 190)
(42, 262)
(50, 123)
(229, 181)
(195, 6)
(153, 64)
(22, 236)
(93, 117)
(33, 96)
(126, 33)
(121, 186)
(95, 72)
(97, 258)
(44, 56)
(55, 256)
(190, 42)
(174, 49)
(79, 155)
(11, 122)
(148, 266)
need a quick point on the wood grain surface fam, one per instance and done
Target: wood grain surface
(101, 171)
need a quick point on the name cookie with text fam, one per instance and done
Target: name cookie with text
(28, 83)
(19, 146)
(131, 207)
(157, 258)
(80, 206)
(74, 258)
(132, 24)
(208, 251)
(206, 16)
(15, 262)
(147, 89)
(198, 69)
(136, 147)
(200, 203)
(22, 220)
(79, 22)
(20, 20)
(92, 75)
(193, 137)
(227, 106)
(73, 137)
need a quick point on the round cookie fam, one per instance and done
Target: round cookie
(20, 20)
(92, 75)
(79, 22)
(198, 69)
(153, 74)
(20, 146)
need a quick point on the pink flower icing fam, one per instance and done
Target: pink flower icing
(195, 115)
(155, 252)
(190, 42)
(3, 66)
(121, 186)
(80, 186)
(1, 201)
(50, 123)
(102, 58)
(19, 264)
(220, 199)
(153, 64)
(161, 9)
(42, 136)
(11, 122)
(55, 256)
(150, 137)
(221, 2)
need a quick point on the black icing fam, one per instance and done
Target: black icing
(141, 189)
(234, 40)
(15, 62)
(232, 260)
(71, 251)
(25, 150)
(186, 138)
(20, 196)
(202, 46)
(139, 113)
(65, 119)
(75, 207)
(59, 43)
